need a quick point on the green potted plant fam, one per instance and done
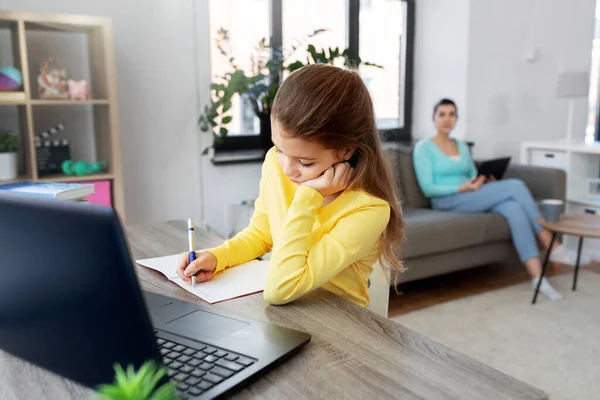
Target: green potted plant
(9, 147)
(140, 385)
(260, 84)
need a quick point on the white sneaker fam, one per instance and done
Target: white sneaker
(563, 255)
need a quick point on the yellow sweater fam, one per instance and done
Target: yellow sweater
(332, 246)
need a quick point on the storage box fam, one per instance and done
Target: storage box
(102, 193)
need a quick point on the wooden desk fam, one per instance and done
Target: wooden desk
(354, 353)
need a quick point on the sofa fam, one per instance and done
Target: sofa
(438, 242)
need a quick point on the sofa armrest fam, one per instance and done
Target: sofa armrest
(543, 183)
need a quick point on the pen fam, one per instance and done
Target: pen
(192, 246)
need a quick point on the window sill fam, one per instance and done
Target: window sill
(235, 149)
(225, 157)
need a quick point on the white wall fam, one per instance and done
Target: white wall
(158, 100)
(441, 61)
(225, 188)
(476, 52)
(510, 98)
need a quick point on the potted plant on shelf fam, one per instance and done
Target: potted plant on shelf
(9, 147)
(140, 385)
(260, 84)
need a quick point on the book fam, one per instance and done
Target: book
(241, 280)
(52, 190)
(12, 96)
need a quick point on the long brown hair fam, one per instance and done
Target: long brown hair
(333, 107)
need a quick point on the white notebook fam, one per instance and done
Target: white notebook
(241, 280)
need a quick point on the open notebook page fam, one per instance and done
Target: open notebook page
(241, 280)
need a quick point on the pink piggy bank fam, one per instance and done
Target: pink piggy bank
(78, 90)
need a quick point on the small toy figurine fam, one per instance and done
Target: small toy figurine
(78, 90)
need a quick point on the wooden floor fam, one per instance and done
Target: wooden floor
(429, 292)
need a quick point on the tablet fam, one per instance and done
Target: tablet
(496, 167)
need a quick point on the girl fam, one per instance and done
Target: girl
(327, 207)
(447, 175)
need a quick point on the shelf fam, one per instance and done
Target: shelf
(75, 178)
(585, 201)
(564, 146)
(83, 45)
(54, 102)
(19, 178)
(68, 102)
(13, 102)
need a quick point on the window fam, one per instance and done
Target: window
(382, 41)
(246, 23)
(378, 31)
(302, 18)
(592, 130)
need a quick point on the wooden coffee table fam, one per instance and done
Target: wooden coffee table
(581, 225)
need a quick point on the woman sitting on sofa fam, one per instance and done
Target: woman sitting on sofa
(447, 175)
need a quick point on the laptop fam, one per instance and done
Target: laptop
(496, 167)
(70, 302)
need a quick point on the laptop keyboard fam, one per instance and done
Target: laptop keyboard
(198, 369)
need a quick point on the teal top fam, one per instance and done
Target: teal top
(439, 174)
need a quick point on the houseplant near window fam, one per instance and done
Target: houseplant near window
(260, 84)
(9, 147)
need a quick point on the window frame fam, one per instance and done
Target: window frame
(400, 134)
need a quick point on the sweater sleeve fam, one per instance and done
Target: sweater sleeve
(296, 268)
(423, 163)
(252, 242)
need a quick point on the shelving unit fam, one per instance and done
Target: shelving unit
(94, 61)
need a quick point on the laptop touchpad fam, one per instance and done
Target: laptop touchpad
(204, 324)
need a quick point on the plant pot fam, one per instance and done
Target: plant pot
(8, 166)
(265, 133)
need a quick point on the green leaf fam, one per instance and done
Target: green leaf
(373, 65)
(223, 131)
(120, 375)
(9, 143)
(110, 392)
(150, 378)
(226, 106)
(323, 56)
(295, 65)
(313, 52)
(226, 120)
(165, 392)
(217, 86)
(317, 32)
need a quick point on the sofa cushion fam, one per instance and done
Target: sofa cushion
(392, 155)
(410, 194)
(496, 228)
(413, 196)
(430, 232)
